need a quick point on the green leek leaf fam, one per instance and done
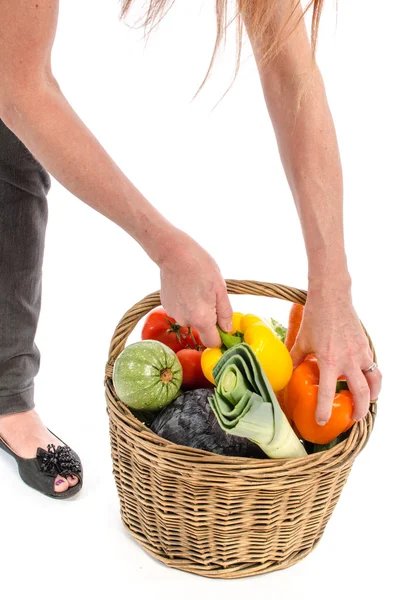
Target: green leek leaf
(245, 404)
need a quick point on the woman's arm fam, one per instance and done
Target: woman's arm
(298, 107)
(34, 108)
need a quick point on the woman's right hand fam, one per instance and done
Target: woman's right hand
(193, 290)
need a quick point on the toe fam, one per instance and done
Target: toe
(72, 480)
(60, 484)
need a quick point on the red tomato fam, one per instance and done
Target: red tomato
(159, 326)
(193, 377)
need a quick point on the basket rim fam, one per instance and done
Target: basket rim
(328, 460)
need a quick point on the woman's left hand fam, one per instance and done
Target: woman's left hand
(331, 330)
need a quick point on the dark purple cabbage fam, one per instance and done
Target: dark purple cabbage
(189, 421)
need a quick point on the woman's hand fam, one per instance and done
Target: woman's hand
(193, 290)
(331, 330)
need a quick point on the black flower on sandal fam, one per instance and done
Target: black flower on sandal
(60, 460)
(41, 471)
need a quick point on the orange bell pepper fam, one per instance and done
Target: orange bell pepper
(300, 403)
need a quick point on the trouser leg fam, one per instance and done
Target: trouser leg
(23, 218)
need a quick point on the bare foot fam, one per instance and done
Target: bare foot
(24, 432)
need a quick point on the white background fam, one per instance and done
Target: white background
(217, 175)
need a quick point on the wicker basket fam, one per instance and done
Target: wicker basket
(219, 516)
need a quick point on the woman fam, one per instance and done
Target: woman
(40, 133)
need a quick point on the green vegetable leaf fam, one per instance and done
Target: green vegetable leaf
(341, 384)
(229, 340)
(279, 329)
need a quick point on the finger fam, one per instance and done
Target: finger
(374, 380)
(298, 354)
(182, 320)
(224, 311)
(359, 387)
(326, 394)
(209, 335)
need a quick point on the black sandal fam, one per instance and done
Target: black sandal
(40, 472)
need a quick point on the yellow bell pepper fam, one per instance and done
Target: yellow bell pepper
(209, 358)
(236, 322)
(270, 350)
(247, 321)
(272, 354)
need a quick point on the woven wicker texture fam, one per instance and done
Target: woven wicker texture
(218, 516)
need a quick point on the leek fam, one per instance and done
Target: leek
(245, 405)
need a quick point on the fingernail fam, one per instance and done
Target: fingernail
(229, 326)
(321, 423)
(59, 482)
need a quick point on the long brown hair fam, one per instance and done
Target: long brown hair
(261, 16)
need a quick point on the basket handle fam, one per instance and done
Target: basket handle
(234, 286)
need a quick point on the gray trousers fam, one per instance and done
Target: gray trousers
(23, 219)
